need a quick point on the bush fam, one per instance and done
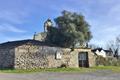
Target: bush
(63, 66)
(107, 61)
(100, 60)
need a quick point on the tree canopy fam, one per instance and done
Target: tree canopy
(70, 29)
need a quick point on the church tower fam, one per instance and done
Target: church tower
(42, 35)
(47, 24)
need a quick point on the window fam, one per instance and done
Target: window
(58, 55)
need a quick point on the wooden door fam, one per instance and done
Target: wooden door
(83, 59)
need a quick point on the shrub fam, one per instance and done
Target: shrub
(109, 61)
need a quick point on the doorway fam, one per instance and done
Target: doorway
(83, 59)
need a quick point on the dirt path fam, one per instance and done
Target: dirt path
(98, 75)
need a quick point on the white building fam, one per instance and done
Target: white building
(102, 52)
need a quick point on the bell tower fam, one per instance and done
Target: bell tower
(47, 24)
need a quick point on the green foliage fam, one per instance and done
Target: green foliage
(109, 61)
(100, 60)
(71, 29)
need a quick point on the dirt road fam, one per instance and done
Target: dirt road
(98, 75)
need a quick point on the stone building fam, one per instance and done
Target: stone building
(27, 54)
(40, 36)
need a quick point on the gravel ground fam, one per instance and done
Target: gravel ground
(98, 75)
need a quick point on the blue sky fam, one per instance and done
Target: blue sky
(19, 19)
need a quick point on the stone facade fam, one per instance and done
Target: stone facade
(7, 57)
(40, 36)
(29, 54)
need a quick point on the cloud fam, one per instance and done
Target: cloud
(16, 17)
(6, 38)
(113, 14)
(111, 29)
(98, 43)
(18, 38)
(10, 28)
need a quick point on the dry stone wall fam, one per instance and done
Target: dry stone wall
(34, 56)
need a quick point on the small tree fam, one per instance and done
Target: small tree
(115, 46)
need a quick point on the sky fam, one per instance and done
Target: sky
(20, 19)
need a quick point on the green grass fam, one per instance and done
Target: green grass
(48, 70)
(112, 68)
(81, 70)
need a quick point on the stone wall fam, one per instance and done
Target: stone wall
(40, 36)
(34, 55)
(91, 56)
(7, 58)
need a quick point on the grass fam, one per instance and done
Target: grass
(47, 70)
(81, 70)
(112, 68)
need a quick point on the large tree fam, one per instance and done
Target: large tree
(70, 29)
